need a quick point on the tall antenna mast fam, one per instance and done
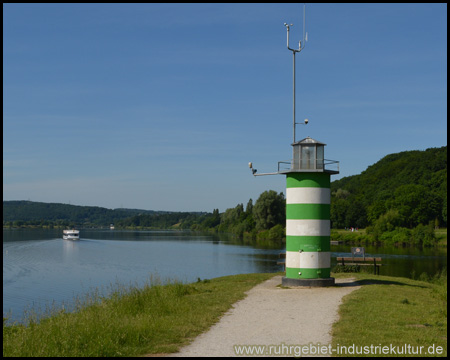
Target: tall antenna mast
(301, 46)
(307, 261)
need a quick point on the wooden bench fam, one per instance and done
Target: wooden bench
(361, 261)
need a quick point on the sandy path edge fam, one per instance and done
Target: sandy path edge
(271, 315)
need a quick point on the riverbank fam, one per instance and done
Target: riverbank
(132, 321)
(162, 319)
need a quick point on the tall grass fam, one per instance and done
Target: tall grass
(130, 321)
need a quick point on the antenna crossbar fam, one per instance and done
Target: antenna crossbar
(301, 46)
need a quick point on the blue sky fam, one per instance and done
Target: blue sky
(162, 106)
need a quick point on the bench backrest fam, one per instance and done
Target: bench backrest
(359, 259)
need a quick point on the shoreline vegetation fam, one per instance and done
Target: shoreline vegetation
(400, 200)
(160, 319)
(421, 236)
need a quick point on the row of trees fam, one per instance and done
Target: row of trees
(263, 220)
(160, 221)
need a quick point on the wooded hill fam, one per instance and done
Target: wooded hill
(399, 200)
(410, 186)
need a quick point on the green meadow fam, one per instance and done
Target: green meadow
(394, 311)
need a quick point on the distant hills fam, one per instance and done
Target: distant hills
(37, 212)
(406, 188)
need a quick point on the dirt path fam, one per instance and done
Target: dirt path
(271, 315)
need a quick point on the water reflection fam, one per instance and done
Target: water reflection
(70, 251)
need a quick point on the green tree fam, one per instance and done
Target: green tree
(18, 223)
(385, 223)
(375, 210)
(356, 215)
(232, 216)
(423, 235)
(338, 212)
(269, 210)
(341, 193)
(444, 210)
(277, 232)
(415, 203)
(249, 208)
(212, 221)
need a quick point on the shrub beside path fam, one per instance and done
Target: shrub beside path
(272, 315)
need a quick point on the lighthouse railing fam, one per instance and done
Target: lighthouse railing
(284, 165)
(331, 165)
(324, 165)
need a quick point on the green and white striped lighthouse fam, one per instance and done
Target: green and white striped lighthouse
(307, 205)
(308, 215)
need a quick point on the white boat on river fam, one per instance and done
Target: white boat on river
(71, 234)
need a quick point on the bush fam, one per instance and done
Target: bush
(346, 269)
(401, 235)
(249, 236)
(386, 223)
(423, 235)
(277, 232)
(263, 235)
(348, 237)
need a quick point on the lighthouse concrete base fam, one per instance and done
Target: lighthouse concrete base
(308, 282)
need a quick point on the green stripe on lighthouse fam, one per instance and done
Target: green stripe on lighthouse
(308, 180)
(307, 243)
(307, 273)
(308, 211)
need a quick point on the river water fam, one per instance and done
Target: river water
(40, 268)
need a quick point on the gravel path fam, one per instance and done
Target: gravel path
(271, 315)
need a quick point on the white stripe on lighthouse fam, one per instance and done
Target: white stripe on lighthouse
(307, 195)
(307, 227)
(308, 260)
(293, 259)
(315, 260)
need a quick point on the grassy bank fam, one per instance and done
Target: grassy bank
(397, 311)
(398, 236)
(441, 235)
(160, 319)
(132, 321)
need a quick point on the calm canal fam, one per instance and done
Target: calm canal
(40, 268)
